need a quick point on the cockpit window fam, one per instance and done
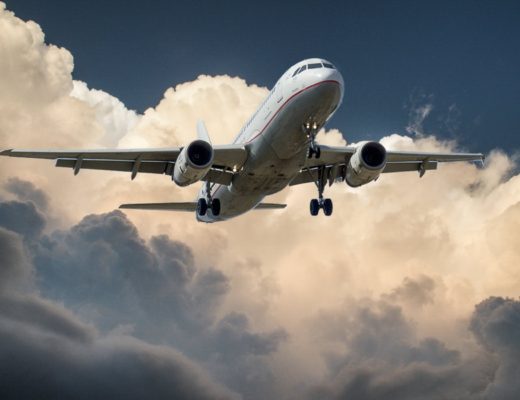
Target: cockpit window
(295, 72)
(303, 68)
(327, 65)
(315, 65)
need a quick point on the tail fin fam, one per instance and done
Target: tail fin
(202, 132)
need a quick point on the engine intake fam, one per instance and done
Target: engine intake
(366, 164)
(193, 163)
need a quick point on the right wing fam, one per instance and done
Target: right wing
(334, 159)
(156, 161)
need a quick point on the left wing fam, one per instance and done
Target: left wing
(157, 161)
(335, 160)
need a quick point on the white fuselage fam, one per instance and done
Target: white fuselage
(275, 138)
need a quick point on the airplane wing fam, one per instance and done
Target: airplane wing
(335, 160)
(157, 161)
(189, 206)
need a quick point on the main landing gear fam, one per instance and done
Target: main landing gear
(208, 202)
(320, 202)
(311, 129)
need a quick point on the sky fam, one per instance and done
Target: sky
(459, 57)
(410, 290)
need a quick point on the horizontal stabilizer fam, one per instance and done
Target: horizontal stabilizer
(270, 206)
(189, 206)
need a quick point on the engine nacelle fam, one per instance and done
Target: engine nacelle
(193, 163)
(365, 165)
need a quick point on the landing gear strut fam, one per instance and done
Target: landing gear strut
(320, 202)
(311, 129)
(208, 202)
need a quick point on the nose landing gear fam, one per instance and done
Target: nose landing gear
(203, 204)
(311, 130)
(320, 202)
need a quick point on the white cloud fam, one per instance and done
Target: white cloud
(115, 119)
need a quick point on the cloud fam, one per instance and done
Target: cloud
(21, 217)
(110, 113)
(108, 275)
(419, 106)
(26, 191)
(418, 291)
(496, 325)
(383, 357)
(49, 352)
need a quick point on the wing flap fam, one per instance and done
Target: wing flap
(409, 166)
(403, 156)
(154, 167)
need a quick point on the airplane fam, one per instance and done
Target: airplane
(276, 148)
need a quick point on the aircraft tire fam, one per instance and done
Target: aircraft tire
(215, 207)
(327, 207)
(314, 207)
(202, 207)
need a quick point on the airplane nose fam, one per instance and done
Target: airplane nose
(335, 76)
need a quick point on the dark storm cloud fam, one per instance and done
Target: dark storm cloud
(47, 352)
(383, 359)
(15, 267)
(103, 263)
(47, 365)
(104, 272)
(26, 191)
(496, 325)
(22, 218)
(233, 334)
(415, 291)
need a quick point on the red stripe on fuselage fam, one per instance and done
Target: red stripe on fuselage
(286, 101)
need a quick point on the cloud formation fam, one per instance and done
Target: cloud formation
(377, 301)
(48, 352)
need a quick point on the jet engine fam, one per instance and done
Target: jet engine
(193, 163)
(365, 165)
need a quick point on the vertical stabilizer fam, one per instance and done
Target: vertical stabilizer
(202, 132)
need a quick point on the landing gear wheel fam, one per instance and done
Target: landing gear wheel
(314, 207)
(202, 207)
(215, 207)
(327, 207)
(314, 151)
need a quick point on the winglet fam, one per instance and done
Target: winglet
(6, 152)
